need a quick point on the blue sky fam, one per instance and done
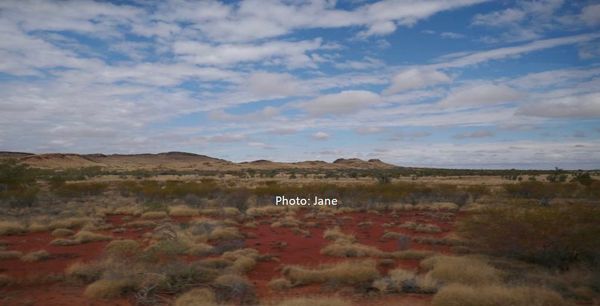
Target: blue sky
(438, 83)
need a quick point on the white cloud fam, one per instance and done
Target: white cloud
(340, 103)
(266, 84)
(379, 29)
(293, 54)
(415, 78)
(267, 113)
(320, 136)
(480, 95)
(466, 59)
(527, 20)
(475, 134)
(590, 14)
(366, 63)
(579, 106)
(497, 154)
(364, 130)
(500, 18)
(258, 19)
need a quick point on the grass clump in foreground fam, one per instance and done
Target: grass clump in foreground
(108, 288)
(464, 270)
(197, 297)
(36, 256)
(345, 273)
(400, 280)
(11, 228)
(315, 301)
(148, 273)
(62, 232)
(495, 295)
(10, 254)
(82, 236)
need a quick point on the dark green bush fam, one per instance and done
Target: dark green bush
(553, 236)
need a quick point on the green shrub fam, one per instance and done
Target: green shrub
(553, 236)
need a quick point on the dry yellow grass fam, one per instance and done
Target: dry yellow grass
(128, 210)
(200, 249)
(11, 228)
(37, 226)
(140, 224)
(337, 235)
(315, 301)
(123, 247)
(421, 227)
(64, 242)
(154, 215)
(427, 284)
(342, 248)
(392, 235)
(412, 254)
(264, 211)
(62, 232)
(347, 272)
(279, 284)
(464, 270)
(225, 233)
(287, 221)
(86, 236)
(72, 222)
(243, 260)
(85, 272)
(232, 281)
(183, 211)
(5, 280)
(494, 295)
(107, 288)
(35, 256)
(197, 297)
(10, 254)
(230, 211)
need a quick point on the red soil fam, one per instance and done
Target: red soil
(34, 288)
(305, 251)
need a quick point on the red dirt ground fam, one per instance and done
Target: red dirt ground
(36, 288)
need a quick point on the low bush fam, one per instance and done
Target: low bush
(11, 228)
(87, 236)
(554, 236)
(347, 272)
(225, 233)
(461, 295)
(85, 272)
(346, 249)
(235, 287)
(337, 234)
(36, 256)
(62, 232)
(315, 301)
(5, 280)
(197, 297)
(108, 288)
(122, 248)
(464, 270)
(74, 190)
(279, 284)
(70, 223)
(154, 215)
(10, 254)
(64, 242)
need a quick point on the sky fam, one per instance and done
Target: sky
(432, 83)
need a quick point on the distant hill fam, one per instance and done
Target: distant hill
(177, 161)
